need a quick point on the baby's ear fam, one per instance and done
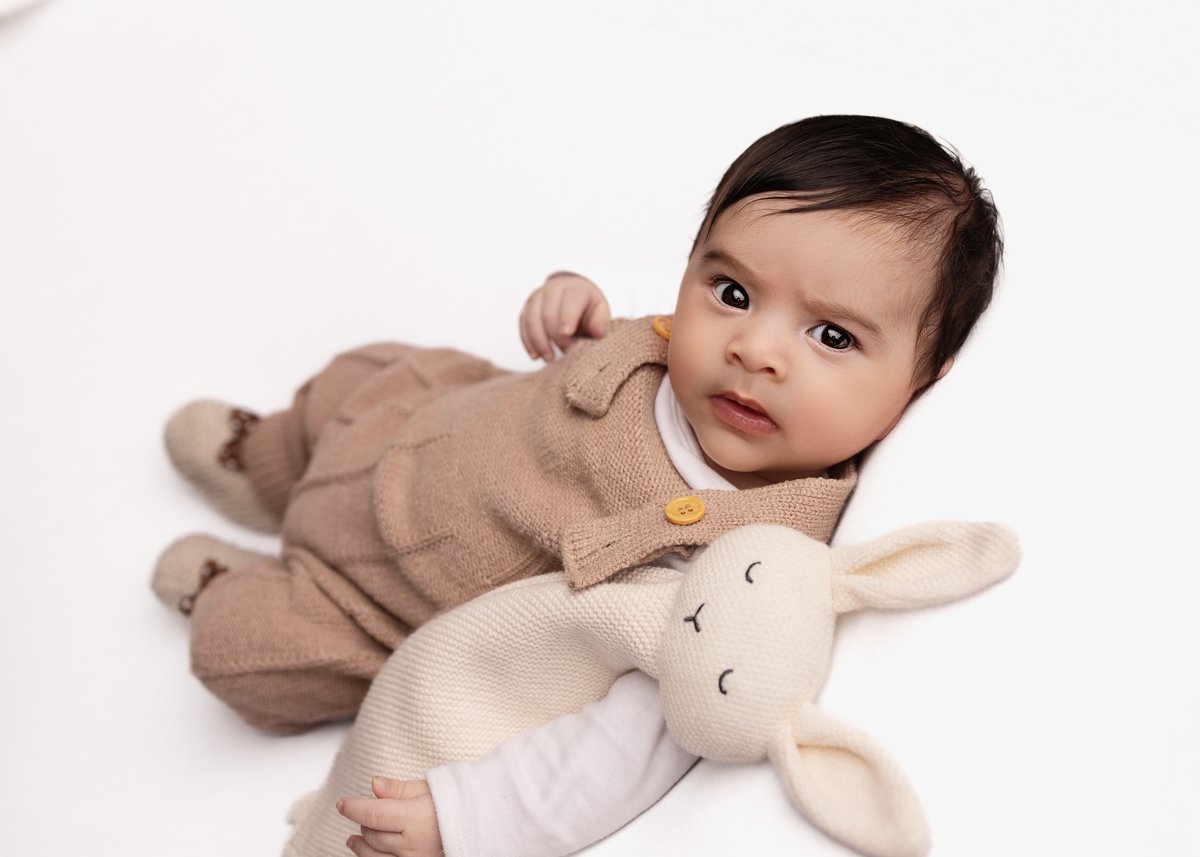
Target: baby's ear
(923, 564)
(842, 781)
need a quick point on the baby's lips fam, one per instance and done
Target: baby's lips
(741, 415)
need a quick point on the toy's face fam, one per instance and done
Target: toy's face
(794, 338)
(748, 642)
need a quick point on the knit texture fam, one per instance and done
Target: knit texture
(195, 437)
(178, 573)
(441, 477)
(510, 660)
(740, 644)
(411, 480)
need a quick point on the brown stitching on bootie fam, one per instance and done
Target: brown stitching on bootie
(208, 571)
(240, 423)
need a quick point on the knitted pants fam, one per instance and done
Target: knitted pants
(294, 642)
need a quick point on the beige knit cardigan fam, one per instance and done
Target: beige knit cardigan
(422, 495)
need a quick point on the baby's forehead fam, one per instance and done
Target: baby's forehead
(918, 232)
(868, 255)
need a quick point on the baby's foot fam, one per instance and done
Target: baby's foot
(204, 442)
(190, 564)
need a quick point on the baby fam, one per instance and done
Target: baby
(841, 264)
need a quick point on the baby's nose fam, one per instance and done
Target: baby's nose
(758, 353)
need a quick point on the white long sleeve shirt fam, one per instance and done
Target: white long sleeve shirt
(564, 785)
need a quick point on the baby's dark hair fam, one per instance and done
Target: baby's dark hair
(901, 174)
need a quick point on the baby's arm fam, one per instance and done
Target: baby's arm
(400, 820)
(565, 306)
(546, 793)
(560, 787)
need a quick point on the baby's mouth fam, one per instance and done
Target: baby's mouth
(742, 414)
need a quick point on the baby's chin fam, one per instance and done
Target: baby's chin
(744, 473)
(740, 473)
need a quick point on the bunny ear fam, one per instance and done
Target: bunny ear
(847, 786)
(923, 564)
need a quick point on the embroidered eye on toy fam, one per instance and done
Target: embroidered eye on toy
(740, 645)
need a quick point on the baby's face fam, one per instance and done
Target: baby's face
(794, 338)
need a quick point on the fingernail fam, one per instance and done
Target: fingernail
(380, 783)
(340, 804)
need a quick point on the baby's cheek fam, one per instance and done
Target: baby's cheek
(824, 430)
(680, 368)
(689, 391)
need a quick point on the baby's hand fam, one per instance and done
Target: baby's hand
(400, 820)
(564, 306)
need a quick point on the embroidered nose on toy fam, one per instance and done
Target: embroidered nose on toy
(748, 648)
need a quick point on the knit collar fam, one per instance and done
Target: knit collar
(600, 367)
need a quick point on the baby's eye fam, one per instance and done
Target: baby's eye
(731, 294)
(832, 336)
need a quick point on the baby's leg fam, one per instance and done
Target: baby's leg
(246, 466)
(269, 642)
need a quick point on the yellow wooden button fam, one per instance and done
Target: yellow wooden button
(685, 510)
(662, 326)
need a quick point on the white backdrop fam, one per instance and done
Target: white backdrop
(211, 197)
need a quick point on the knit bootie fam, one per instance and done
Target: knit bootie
(204, 441)
(190, 563)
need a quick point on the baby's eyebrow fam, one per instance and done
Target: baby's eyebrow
(829, 309)
(832, 309)
(715, 254)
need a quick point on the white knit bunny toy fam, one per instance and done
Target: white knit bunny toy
(740, 645)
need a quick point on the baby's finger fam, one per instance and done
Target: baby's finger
(385, 787)
(575, 303)
(537, 343)
(595, 323)
(552, 316)
(522, 324)
(362, 848)
(384, 841)
(372, 812)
